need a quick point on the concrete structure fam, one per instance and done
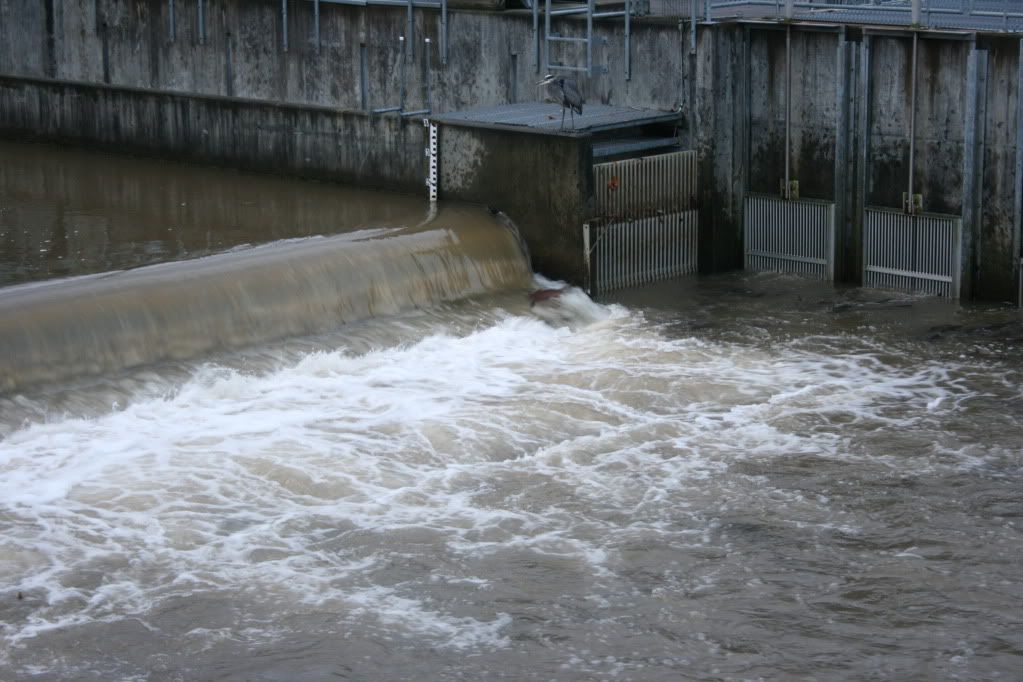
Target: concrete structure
(111, 72)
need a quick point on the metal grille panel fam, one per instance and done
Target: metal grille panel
(637, 188)
(790, 236)
(626, 254)
(915, 253)
(647, 221)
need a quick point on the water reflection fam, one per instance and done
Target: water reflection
(70, 212)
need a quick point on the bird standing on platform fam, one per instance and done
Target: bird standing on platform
(563, 91)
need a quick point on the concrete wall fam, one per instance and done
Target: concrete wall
(542, 181)
(108, 71)
(267, 136)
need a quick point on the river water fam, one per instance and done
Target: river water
(734, 477)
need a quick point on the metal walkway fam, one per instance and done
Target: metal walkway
(546, 118)
(957, 15)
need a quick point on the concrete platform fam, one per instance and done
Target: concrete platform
(545, 118)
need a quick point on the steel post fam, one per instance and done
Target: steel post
(1017, 227)
(911, 207)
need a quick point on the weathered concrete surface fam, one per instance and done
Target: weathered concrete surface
(722, 145)
(269, 136)
(542, 181)
(814, 111)
(997, 244)
(940, 122)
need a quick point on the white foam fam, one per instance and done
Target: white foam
(301, 486)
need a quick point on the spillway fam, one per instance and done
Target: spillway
(170, 311)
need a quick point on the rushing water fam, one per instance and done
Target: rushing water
(735, 477)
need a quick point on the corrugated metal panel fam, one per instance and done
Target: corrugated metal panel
(790, 236)
(627, 254)
(647, 223)
(916, 253)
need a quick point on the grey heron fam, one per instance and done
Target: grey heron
(563, 91)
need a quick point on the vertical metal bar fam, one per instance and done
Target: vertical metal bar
(788, 107)
(1017, 227)
(403, 52)
(172, 26)
(912, 126)
(410, 44)
(316, 24)
(915, 13)
(589, 36)
(863, 167)
(444, 31)
(536, 32)
(546, 36)
(201, 21)
(628, 39)
(692, 34)
(838, 217)
(284, 24)
(586, 246)
(969, 168)
(427, 76)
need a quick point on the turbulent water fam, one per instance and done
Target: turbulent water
(735, 477)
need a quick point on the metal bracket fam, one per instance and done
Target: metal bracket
(790, 192)
(913, 205)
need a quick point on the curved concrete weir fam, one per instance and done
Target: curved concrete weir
(102, 323)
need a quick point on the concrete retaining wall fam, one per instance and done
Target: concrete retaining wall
(109, 71)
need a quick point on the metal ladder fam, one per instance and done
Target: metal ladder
(588, 10)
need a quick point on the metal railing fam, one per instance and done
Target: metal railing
(994, 15)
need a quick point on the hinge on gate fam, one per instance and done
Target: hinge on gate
(912, 204)
(791, 192)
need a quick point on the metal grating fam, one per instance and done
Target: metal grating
(631, 253)
(635, 188)
(915, 253)
(790, 236)
(647, 221)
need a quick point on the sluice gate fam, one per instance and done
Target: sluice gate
(914, 253)
(647, 225)
(796, 236)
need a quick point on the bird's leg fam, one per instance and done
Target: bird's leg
(562, 117)
(572, 117)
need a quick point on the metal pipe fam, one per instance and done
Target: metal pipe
(316, 23)
(410, 30)
(546, 34)
(201, 21)
(1017, 228)
(444, 31)
(692, 32)
(536, 33)
(628, 39)
(789, 9)
(589, 36)
(915, 21)
(912, 126)
(788, 108)
(284, 24)
(402, 49)
(172, 27)
(427, 73)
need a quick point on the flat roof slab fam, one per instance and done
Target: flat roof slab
(545, 118)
